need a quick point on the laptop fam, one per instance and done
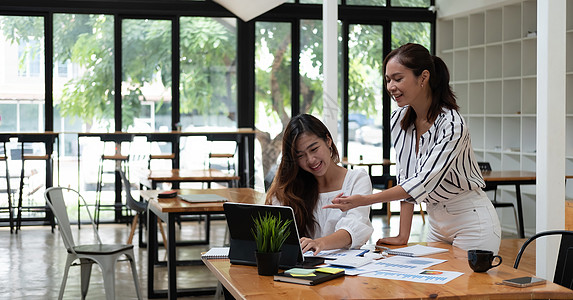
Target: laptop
(202, 198)
(242, 243)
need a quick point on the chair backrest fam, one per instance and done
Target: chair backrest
(484, 166)
(55, 199)
(129, 200)
(564, 267)
(270, 177)
(382, 182)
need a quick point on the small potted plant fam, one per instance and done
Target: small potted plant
(270, 233)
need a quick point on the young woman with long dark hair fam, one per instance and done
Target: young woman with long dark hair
(309, 177)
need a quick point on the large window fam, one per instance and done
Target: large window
(208, 86)
(22, 81)
(365, 92)
(276, 71)
(273, 87)
(146, 75)
(310, 67)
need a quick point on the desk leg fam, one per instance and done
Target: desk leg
(151, 252)
(519, 210)
(171, 258)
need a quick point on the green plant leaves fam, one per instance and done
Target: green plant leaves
(270, 232)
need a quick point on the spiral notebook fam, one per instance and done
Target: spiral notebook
(217, 252)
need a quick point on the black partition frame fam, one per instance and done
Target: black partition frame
(174, 9)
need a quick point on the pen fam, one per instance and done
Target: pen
(362, 253)
(382, 247)
(393, 252)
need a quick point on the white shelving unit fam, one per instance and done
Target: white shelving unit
(491, 55)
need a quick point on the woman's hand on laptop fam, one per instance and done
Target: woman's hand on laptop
(311, 245)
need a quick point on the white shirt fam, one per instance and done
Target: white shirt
(445, 165)
(355, 221)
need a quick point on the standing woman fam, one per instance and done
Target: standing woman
(309, 178)
(435, 161)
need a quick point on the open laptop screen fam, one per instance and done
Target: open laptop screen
(242, 244)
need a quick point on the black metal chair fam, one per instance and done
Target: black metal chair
(486, 167)
(140, 207)
(564, 267)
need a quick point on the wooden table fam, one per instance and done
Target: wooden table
(150, 178)
(243, 282)
(168, 210)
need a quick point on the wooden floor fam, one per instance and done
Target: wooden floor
(32, 262)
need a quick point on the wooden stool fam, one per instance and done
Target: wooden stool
(167, 138)
(229, 156)
(121, 162)
(47, 139)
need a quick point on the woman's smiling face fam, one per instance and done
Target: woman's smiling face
(402, 84)
(313, 154)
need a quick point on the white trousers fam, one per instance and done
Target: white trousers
(468, 221)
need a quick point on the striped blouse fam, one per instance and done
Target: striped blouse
(445, 164)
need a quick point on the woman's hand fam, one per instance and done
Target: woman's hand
(310, 244)
(345, 203)
(395, 240)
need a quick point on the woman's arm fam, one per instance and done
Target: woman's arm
(406, 214)
(345, 203)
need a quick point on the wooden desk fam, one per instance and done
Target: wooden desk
(167, 210)
(243, 282)
(150, 178)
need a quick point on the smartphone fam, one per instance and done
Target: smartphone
(524, 281)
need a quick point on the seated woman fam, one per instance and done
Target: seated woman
(309, 177)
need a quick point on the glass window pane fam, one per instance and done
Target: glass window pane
(22, 89)
(146, 75)
(310, 67)
(272, 89)
(208, 86)
(411, 3)
(9, 115)
(83, 72)
(365, 93)
(83, 96)
(367, 2)
(208, 73)
(411, 32)
(30, 113)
